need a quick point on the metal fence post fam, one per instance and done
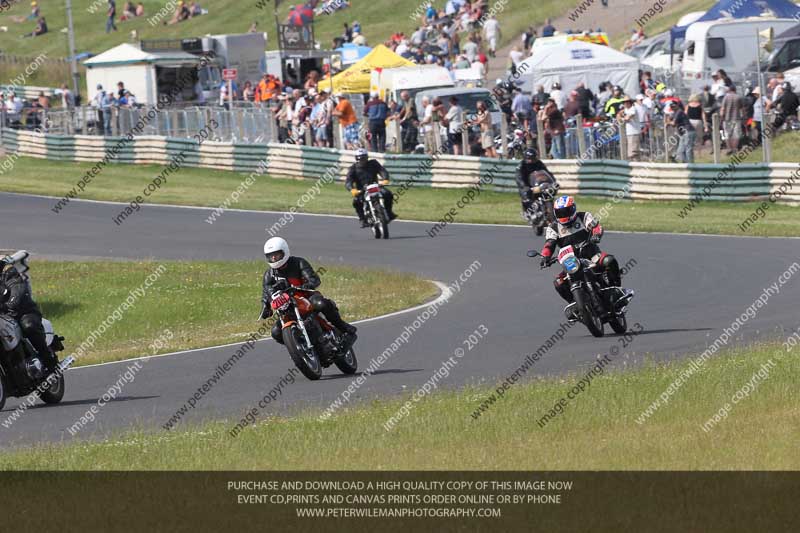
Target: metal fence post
(504, 134)
(464, 134)
(540, 142)
(581, 137)
(767, 139)
(398, 140)
(666, 142)
(623, 141)
(715, 140)
(337, 133)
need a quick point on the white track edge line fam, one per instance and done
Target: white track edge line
(444, 294)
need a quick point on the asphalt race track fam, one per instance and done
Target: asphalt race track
(688, 288)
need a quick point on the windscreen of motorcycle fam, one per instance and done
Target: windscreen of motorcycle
(10, 333)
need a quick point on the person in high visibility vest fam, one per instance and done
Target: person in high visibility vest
(268, 88)
(614, 104)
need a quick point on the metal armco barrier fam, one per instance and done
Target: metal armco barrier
(646, 180)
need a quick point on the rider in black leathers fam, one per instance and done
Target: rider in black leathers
(298, 273)
(16, 300)
(362, 173)
(528, 188)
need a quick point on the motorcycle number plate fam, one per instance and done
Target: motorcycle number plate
(565, 252)
(373, 188)
(280, 300)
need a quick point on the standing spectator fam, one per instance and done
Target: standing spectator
(471, 49)
(644, 113)
(759, 105)
(585, 99)
(491, 31)
(327, 108)
(112, 12)
(409, 122)
(697, 117)
(686, 133)
(247, 91)
(540, 97)
(97, 103)
(284, 117)
(572, 107)
(483, 119)
(786, 105)
(548, 30)
(557, 95)
(522, 108)
(67, 98)
(427, 124)
(120, 89)
(347, 118)
(603, 96)
(515, 57)
(633, 128)
(376, 112)
(732, 119)
(554, 125)
(316, 122)
(454, 125)
(43, 100)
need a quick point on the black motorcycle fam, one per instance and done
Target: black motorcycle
(595, 301)
(540, 215)
(312, 341)
(375, 211)
(22, 370)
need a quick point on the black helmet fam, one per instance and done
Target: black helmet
(531, 153)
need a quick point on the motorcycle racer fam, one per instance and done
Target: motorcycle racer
(532, 173)
(300, 274)
(362, 173)
(573, 227)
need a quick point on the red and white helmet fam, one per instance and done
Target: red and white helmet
(565, 210)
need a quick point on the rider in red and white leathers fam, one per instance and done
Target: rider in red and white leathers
(573, 227)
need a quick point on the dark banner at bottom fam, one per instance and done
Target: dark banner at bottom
(401, 501)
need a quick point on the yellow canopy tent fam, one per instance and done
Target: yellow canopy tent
(356, 78)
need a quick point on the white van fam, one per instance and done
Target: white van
(728, 44)
(390, 82)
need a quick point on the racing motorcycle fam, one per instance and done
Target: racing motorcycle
(540, 215)
(375, 211)
(22, 371)
(595, 302)
(516, 144)
(313, 342)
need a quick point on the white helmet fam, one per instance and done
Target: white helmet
(276, 251)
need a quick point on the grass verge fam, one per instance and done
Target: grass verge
(204, 187)
(201, 303)
(596, 431)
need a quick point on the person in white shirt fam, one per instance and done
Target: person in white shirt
(516, 56)
(454, 125)
(470, 49)
(491, 30)
(427, 123)
(633, 128)
(644, 112)
(557, 95)
(402, 48)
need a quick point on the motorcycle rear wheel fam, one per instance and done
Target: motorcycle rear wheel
(592, 322)
(307, 363)
(347, 363)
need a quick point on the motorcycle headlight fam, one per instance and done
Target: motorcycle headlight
(571, 265)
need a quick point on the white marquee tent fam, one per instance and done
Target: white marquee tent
(576, 61)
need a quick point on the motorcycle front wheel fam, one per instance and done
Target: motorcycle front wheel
(589, 318)
(347, 363)
(55, 392)
(305, 358)
(619, 323)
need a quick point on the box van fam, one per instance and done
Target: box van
(724, 44)
(390, 82)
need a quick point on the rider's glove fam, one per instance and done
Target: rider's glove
(355, 192)
(543, 262)
(266, 311)
(384, 182)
